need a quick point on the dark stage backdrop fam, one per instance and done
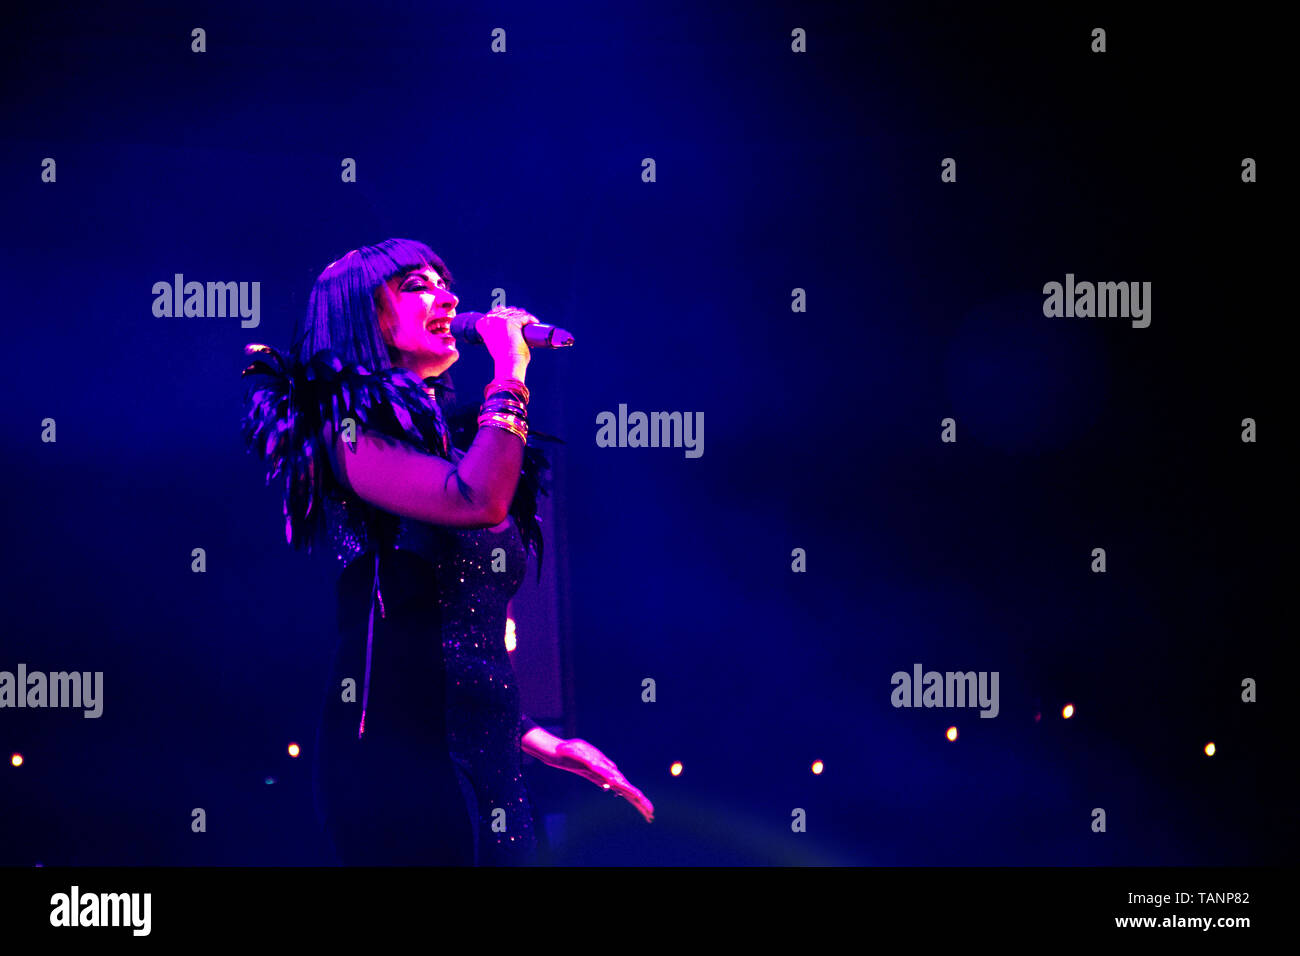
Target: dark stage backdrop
(825, 231)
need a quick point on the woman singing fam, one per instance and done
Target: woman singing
(417, 755)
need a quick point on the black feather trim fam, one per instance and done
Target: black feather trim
(288, 404)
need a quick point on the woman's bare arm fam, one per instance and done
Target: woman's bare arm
(474, 493)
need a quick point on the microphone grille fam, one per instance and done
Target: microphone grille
(462, 327)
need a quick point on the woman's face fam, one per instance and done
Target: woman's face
(415, 316)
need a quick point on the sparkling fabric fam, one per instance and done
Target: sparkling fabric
(439, 615)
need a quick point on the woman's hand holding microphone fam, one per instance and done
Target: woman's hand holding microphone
(501, 329)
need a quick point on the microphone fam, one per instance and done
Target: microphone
(536, 335)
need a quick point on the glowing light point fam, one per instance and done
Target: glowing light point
(269, 780)
(511, 643)
(1067, 711)
(818, 766)
(293, 749)
(1209, 749)
(676, 768)
(952, 733)
(16, 760)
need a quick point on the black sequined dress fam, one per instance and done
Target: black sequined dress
(423, 762)
(417, 756)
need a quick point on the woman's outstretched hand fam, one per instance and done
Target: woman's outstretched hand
(578, 756)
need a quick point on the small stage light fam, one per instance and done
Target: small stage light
(16, 760)
(676, 768)
(1209, 749)
(818, 766)
(952, 733)
(1067, 711)
(293, 749)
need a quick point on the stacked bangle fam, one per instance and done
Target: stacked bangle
(509, 385)
(509, 422)
(509, 406)
(505, 406)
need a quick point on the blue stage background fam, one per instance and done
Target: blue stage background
(775, 170)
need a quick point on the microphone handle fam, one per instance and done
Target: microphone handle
(536, 335)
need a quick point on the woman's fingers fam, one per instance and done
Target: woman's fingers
(632, 795)
(510, 312)
(600, 770)
(644, 806)
(635, 797)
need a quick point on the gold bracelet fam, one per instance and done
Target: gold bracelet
(507, 384)
(521, 435)
(503, 417)
(509, 406)
(521, 432)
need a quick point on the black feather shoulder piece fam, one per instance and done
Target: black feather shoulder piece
(288, 403)
(533, 476)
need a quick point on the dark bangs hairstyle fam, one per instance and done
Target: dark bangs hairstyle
(343, 309)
